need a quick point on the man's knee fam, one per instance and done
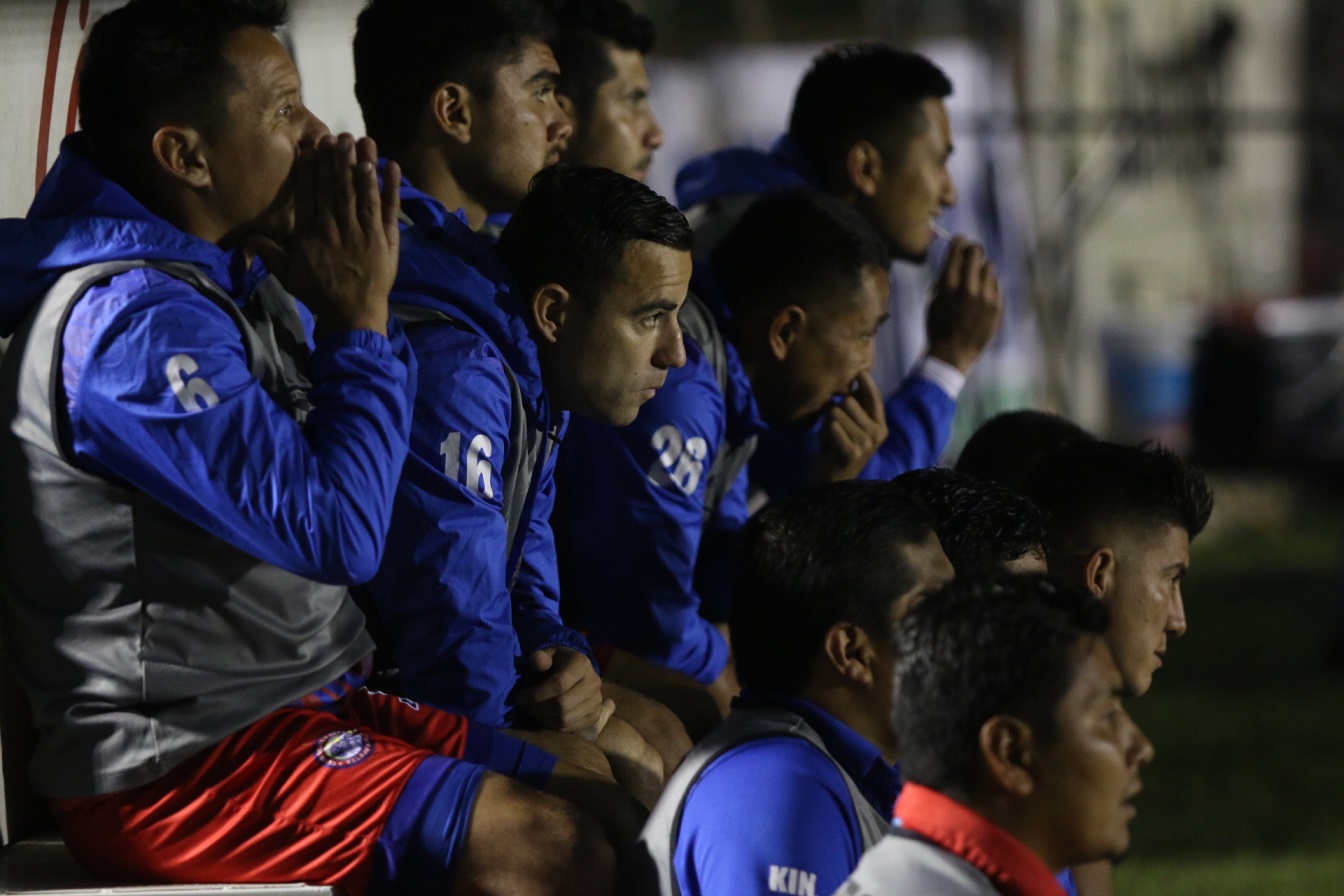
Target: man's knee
(568, 748)
(638, 767)
(655, 722)
(692, 703)
(521, 842)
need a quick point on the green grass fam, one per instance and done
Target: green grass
(1298, 874)
(1247, 791)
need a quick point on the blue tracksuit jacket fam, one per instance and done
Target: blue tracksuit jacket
(776, 804)
(919, 414)
(646, 571)
(442, 593)
(159, 393)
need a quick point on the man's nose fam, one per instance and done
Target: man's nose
(561, 127)
(1176, 623)
(653, 137)
(949, 197)
(1141, 750)
(671, 350)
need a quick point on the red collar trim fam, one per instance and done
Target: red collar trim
(1014, 869)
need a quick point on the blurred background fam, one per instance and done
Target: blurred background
(1161, 185)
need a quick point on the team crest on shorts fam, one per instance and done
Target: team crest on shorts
(342, 749)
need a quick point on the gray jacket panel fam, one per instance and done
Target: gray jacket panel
(140, 638)
(904, 863)
(697, 322)
(529, 447)
(649, 871)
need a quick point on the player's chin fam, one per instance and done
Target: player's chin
(277, 226)
(913, 247)
(623, 414)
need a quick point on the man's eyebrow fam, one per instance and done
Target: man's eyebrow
(286, 90)
(545, 75)
(656, 305)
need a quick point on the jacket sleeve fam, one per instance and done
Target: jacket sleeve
(770, 816)
(160, 396)
(536, 593)
(442, 593)
(634, 499)
(919, 424)
(716, 562)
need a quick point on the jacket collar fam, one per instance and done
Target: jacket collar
(859, 757)
(448, 267)
(81, 217)
(1005, 860)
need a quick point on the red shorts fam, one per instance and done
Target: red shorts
(357, 796)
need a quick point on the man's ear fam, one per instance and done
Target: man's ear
(550, 307)
(1008, 749)
(848, 650)
(180, 152)
(1099, 571)
(450, 107)
(784, 328)
(863, 168)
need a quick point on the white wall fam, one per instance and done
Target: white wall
(1164, 249)
(321, 32)
(1152, 246)
(39, 46)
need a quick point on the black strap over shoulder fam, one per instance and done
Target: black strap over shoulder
(697, 323)
(269, 325)
(527, 448)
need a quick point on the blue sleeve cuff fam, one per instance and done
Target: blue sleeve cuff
(563, 636)
(716, 656)
(363, 340)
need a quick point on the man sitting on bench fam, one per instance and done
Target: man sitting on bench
(195, 467)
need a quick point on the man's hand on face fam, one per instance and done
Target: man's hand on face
(569, 698)
(851, 432)
(341, 258)
(966, 309)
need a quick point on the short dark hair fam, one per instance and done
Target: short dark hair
(980, 647)
(587, 28)
(156, 62)
(856, 91)
(981, 524)
(404, 49)
(1089, 485)
(831, 554)
(791, 246)
(1007, 446)
(574, 224)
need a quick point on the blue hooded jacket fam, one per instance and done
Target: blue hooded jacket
(770, 805)
(160, 394)
(455, 626)
(647, 572)
(741, 169)
(776, 803)
(919, 413)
